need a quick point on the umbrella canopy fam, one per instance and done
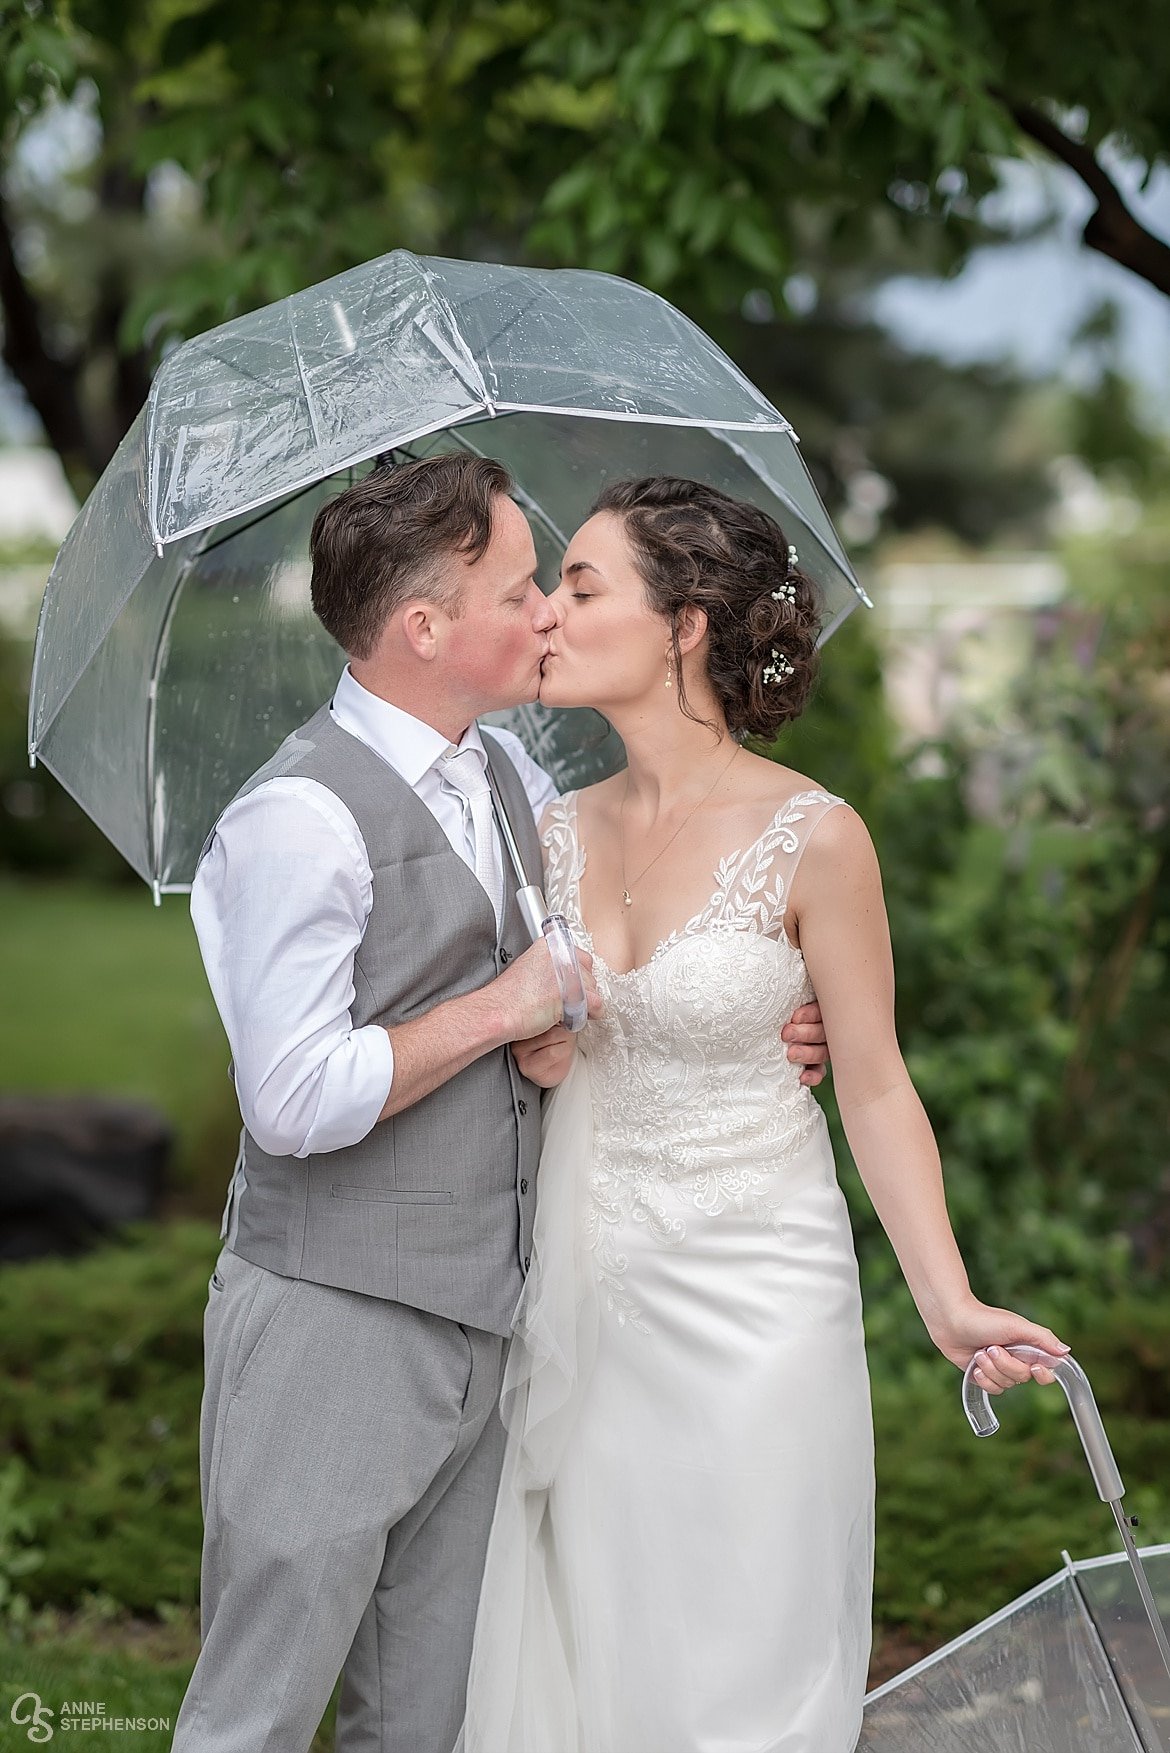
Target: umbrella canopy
(177, 646)
(1070, 1667)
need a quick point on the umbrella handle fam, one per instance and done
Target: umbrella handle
(562, 949)
(554, 928)
(1082, 1405)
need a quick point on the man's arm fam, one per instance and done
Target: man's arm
(523, 1001)
(279, 904)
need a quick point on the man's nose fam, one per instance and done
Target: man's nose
(548, 615)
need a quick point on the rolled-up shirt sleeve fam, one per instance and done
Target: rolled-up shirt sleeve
(279, 903)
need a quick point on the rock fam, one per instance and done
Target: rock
(72, 1168)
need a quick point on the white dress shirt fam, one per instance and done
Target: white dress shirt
(280, 902)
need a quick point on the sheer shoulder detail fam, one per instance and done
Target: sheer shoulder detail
(751, 885)
(563, 862)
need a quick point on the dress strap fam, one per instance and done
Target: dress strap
(757, 886)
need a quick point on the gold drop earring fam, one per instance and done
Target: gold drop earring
(669, 683)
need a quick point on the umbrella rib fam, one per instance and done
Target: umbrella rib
(463, 354)
(306, 392)
(153, 834)
(267, 512)
(1098, 1641)
(519, 494)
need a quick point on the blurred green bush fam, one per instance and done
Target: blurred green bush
(101, 1381)
(101, 1375)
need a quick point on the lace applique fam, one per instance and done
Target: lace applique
(696, 1104)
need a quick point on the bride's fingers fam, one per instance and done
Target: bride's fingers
(998, 1366)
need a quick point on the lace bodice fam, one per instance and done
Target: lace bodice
(696, 1105)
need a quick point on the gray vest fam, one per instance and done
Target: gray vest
(434, 1207)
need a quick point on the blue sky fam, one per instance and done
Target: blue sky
(1023, 301)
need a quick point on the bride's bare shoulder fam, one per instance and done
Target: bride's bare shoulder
(771, 782)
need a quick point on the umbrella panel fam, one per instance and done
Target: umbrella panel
(1111, 1596)
(1032, 1680)
(403, 345)
(99, 740)
(241, 659)
(1071, 1667)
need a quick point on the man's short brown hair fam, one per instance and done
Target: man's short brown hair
(382, 541)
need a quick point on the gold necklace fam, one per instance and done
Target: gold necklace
(627, 898)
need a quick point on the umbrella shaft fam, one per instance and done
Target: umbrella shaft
(1143, 1585)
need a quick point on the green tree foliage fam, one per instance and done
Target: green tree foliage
(705, 147)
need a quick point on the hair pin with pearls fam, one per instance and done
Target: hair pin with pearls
(780, 667)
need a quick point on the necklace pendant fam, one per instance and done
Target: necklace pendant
(627, 898)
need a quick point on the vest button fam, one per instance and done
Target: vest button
(522, 1105)
(527, 1261)
(524, 1186)
(505, 955)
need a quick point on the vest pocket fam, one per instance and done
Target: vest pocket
(392, 1195)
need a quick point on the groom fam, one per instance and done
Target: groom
(370, 964)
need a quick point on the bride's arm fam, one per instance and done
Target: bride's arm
(844, 937)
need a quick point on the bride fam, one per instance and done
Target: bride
(681, 1558)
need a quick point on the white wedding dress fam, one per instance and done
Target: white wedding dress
(681, 1559)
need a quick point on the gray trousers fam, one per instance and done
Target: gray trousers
(350, 1450)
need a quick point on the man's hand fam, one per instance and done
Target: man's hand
(805, 1034)
(531, 997)
(546, 1058)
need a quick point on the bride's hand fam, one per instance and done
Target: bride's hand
(545, 1059)
(977, 1329)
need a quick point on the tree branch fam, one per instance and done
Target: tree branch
(1111, 228)
(50, 384)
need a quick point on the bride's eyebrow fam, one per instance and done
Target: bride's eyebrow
(579, 566)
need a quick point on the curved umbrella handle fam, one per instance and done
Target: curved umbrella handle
(1078, 1393)
(562, 949)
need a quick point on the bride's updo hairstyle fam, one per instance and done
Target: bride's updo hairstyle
(693, 544)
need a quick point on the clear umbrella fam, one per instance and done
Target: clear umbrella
(1080, 1664)
(1070, 1667)
(177, 646)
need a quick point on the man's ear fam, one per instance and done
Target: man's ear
(417, 621)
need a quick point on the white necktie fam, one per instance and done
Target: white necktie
(463, 769)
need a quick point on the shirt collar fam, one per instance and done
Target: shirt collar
(409, 744)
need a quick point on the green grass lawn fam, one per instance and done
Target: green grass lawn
(106, 992)
(129, 1667)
